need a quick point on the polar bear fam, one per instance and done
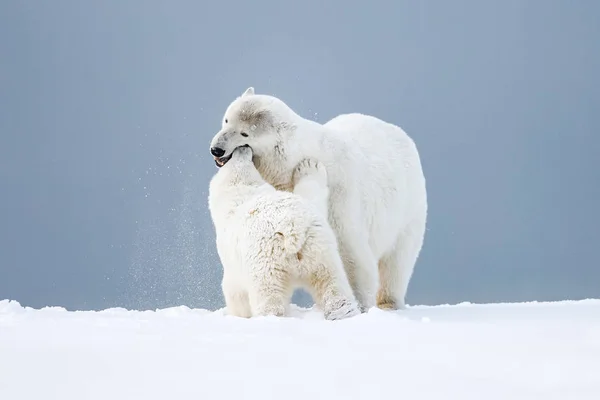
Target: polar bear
(271, 242)
(378, 200)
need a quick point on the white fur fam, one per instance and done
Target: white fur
(271, 242)
(378, 201)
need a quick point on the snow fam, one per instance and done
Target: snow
(495, 351)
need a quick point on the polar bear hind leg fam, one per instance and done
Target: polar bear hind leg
(270, 291)
(236, 301)
(396, 268)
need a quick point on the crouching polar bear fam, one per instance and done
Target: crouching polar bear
(378, 202)
(271, 242)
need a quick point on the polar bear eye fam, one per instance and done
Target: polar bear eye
(244, 134)
(226, 120)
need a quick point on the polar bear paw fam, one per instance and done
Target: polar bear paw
(346, 309)
(309, 167)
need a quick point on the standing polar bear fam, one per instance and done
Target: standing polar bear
(378, 200)
(271, 242)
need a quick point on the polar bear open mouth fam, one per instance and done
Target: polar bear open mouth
(220, 161)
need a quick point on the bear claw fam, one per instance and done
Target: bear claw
(346, 310)
(312, 167)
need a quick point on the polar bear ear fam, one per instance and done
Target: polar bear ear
(248, 91)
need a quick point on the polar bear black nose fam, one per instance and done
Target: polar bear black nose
(217, 152)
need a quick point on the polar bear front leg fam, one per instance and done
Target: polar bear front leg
(327, 281)
(359, 262)
(362, 272)
(310, 182)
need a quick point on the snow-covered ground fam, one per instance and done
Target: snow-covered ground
(499, 351)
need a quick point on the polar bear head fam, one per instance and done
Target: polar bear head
(254, 120)
(239, 171)
(233, 184)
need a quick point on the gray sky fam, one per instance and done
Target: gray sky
(107, 109)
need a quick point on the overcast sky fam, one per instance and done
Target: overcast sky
(107, 109)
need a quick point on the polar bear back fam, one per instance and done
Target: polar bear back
(269, 215)
(379, 164)
(269, 223)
